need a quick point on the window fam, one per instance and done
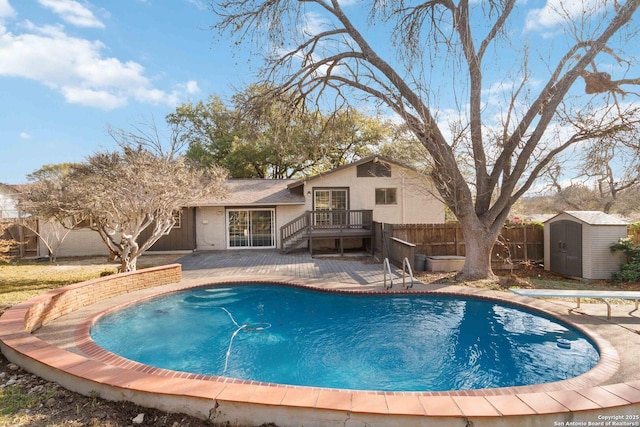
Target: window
(386, 196)
(177, 217)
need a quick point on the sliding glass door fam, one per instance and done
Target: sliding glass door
(251, 228)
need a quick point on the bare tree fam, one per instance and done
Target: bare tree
(7, 243)
(40, 207)
(608, 169)
(123, 194)
(454, 56)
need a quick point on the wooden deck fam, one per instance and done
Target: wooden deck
(328, 224)
(338, 233)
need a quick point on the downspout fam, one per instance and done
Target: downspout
(404, 198)
(194, 233)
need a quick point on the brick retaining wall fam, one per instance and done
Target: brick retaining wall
(56, 303)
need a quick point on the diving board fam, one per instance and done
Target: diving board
(605, 296)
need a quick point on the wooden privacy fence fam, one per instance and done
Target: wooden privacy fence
(518, 243)
(634, 232)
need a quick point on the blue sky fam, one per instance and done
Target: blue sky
(70, 68)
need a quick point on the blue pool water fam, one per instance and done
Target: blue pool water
(363, 342)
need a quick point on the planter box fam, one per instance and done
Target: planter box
(445, 263)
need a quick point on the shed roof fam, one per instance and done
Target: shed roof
(593, 218)
(255, 192)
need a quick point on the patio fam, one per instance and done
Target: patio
(352, 271)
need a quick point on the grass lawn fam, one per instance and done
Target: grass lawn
(26, 279)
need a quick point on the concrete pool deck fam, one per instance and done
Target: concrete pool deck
(610, 392)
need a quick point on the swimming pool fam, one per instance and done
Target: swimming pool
(285, 335)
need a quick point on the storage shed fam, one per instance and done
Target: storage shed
(578, 244)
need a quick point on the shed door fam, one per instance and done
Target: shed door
(566, 248)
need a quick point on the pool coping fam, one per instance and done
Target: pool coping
(83, 366)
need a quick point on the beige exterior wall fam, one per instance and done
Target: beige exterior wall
(416, 203)
(598, 260)
(79, 242)
(285, 214)
(210, 228)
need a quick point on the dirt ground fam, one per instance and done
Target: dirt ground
(42, 403)
(27, 400)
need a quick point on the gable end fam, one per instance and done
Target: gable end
(373, 169)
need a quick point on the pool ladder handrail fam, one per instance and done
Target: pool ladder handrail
(407, 264)
(388, 268)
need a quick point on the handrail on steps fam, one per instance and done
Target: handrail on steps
(405, 262)
(388, 268)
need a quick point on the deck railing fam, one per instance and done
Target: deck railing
(336, 219)
(295, 228)
(326, 219)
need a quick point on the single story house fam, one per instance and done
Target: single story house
(7, 203)
(331, 210)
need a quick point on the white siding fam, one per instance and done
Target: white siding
(603, 262)
(80, 242)
(7, 206)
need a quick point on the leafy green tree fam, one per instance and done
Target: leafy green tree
(266, 136)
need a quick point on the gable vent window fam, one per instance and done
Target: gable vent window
(373, 169)
(386, 196)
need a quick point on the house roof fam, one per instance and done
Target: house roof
(271, 192)
(255, 192)
(594, 218)
(299, 182)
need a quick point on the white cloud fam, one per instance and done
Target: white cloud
(199, 4)
(555, 12)
(73, 12)
(78, 69)
(25, 135)
(93, 98)
(192, 87)
(6, 11)
(314, 24)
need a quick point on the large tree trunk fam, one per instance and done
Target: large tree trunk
(128, 263)
(128, 254)
(479, 240)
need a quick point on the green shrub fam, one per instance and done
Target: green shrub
(630, 271)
